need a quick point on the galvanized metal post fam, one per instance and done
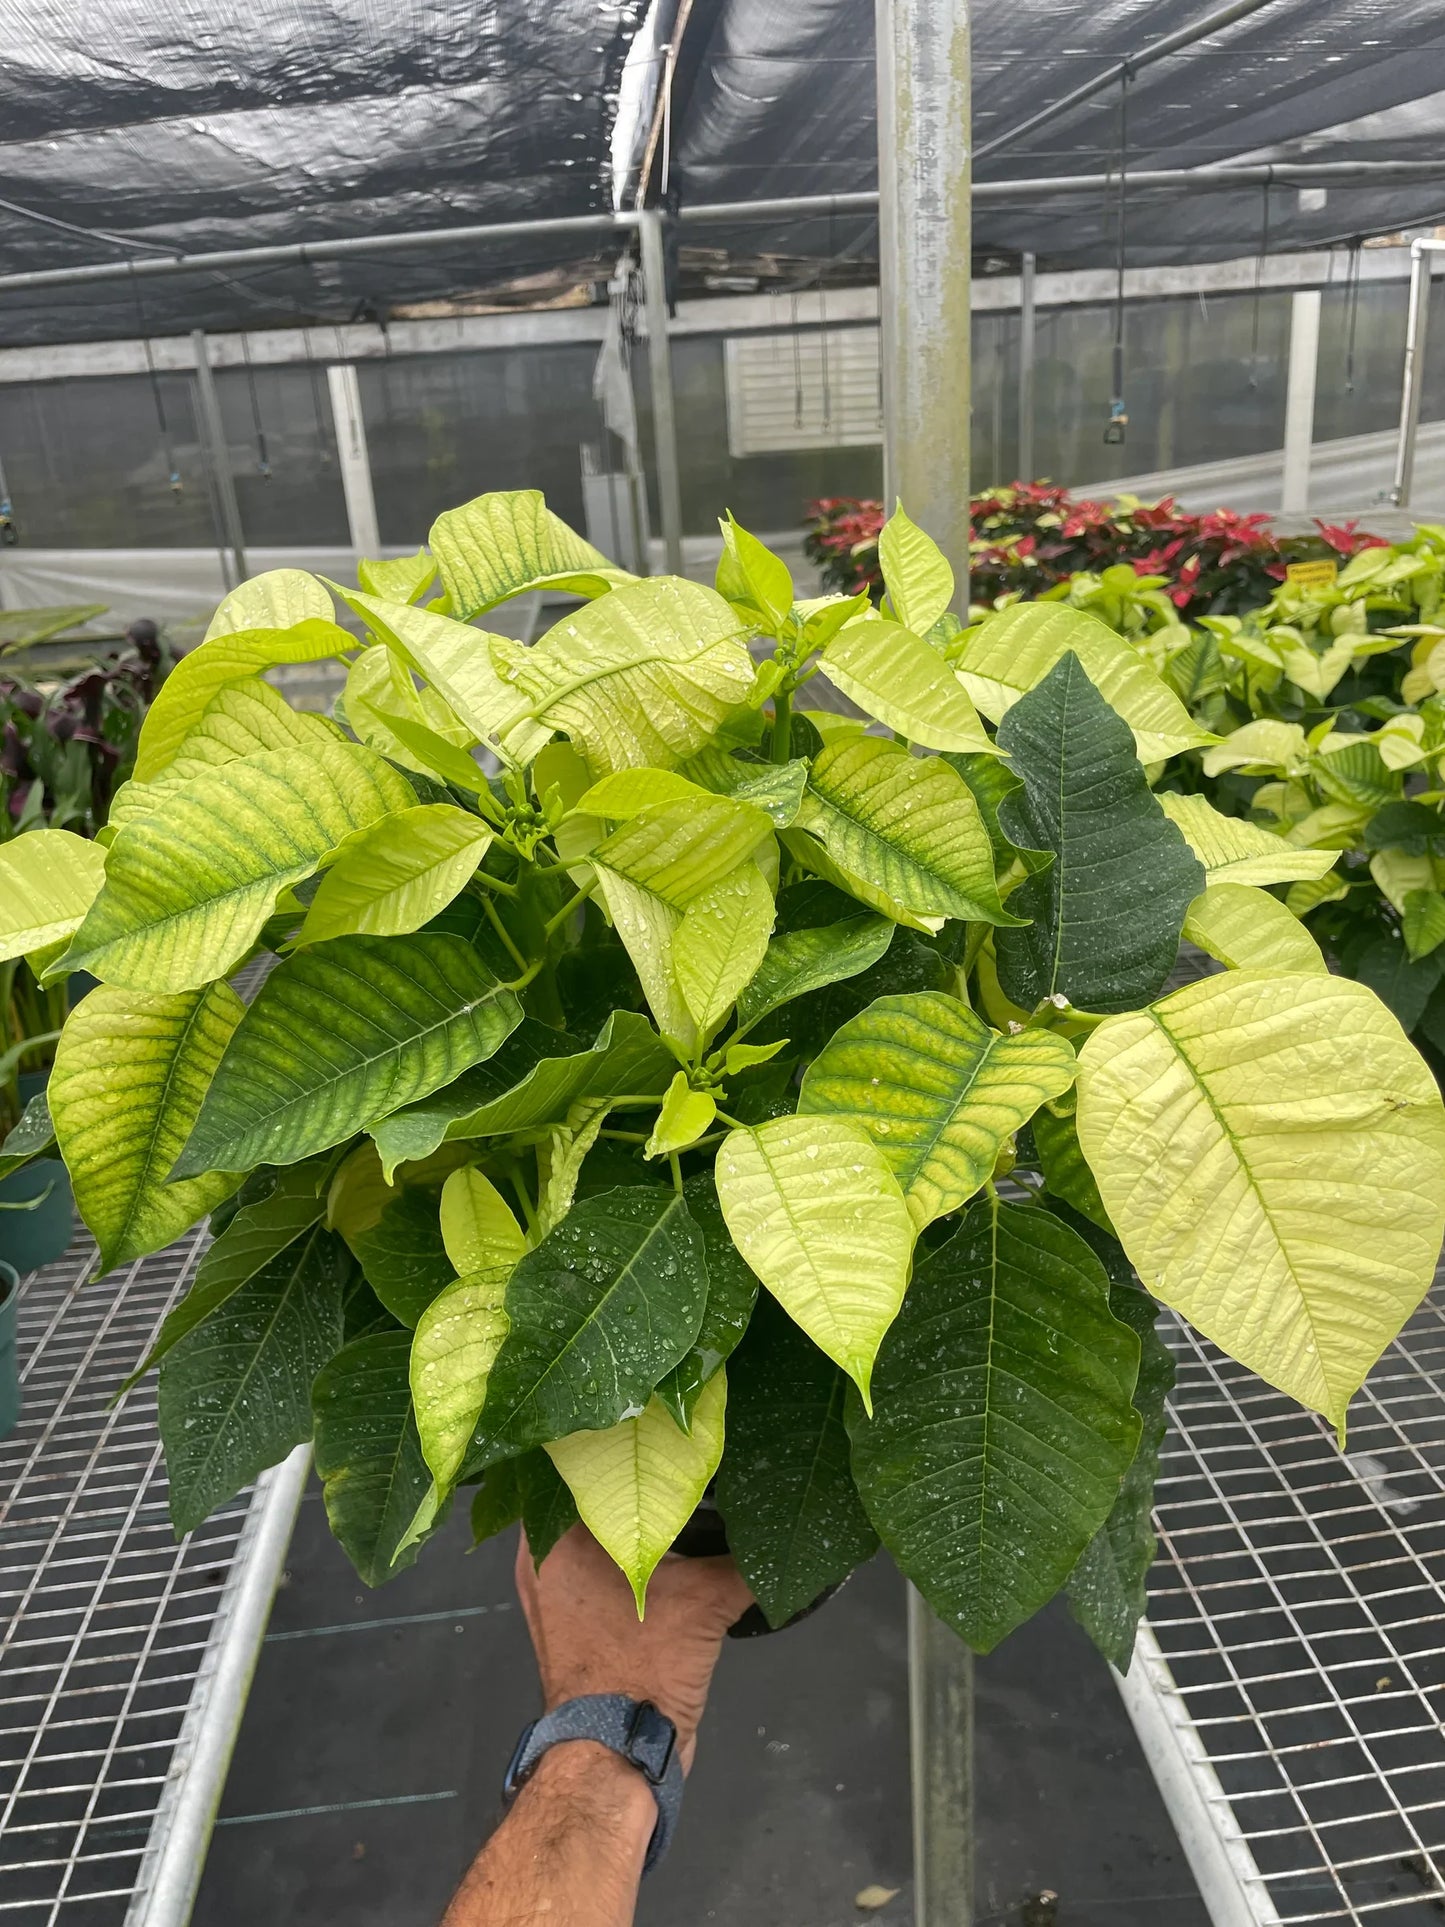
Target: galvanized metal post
(1299, 407)
(664, 405)
(925, 242)
(355, 459)
(924, 222)
(1416, 329)
(1027, 324)
(216, 451)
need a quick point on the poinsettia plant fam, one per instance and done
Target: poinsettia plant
(619, 1086)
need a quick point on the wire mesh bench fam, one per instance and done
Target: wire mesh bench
(123, 1657)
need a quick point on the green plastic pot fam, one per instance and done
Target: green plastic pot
(37, 1210)
(9, 1363)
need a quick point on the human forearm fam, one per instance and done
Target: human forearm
(569, 1852)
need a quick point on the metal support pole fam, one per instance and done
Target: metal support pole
(1028, 266)
(345, 391)
(664, 405)
(1416, 329)
(1299, 408)
(217, 454)
(925, 262)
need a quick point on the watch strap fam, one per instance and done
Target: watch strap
(635, 1729)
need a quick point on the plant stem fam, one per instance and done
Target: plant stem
(733, 1123)
(627, 1137)
(494, 883)
(555, 923)
(529, 1210)
(676, 1169)
(782, 741)
(501, 929)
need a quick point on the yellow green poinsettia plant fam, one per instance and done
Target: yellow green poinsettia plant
(618, 1083)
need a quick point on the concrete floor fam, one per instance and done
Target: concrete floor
(380, 1723)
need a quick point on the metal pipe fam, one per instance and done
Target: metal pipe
(1028, 266)
(176, 1852)
(1413, 390)
(924, 266)
(216, 450)
(1172, 43)
(355, 460)
(664, 405)
(985, 194)
(1299, 413)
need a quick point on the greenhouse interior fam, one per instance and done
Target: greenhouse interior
(723, 890)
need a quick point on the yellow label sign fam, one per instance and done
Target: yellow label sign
(1312, 575)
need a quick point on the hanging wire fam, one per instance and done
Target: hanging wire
(172, 472)
(1118, 420)
(1258, 289)
(320, 417)
(1352, 313)
(262, 462)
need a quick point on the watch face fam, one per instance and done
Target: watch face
(650, 1740)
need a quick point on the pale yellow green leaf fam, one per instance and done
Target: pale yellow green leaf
(1318, 674)
(394, 875)
(813, 1206)
(628, 792)
(894, 675)
(1245, 928)
(686, 1115)
(1303, 897)
(278, 599)
(402, 578)
(811, 854)
(677, 851)
(186, 693)
(479, 1228)
(647, 926)
(1398, 873)
(562, 1157)
(1013, 650)
(504, 544)
(637, 1484)
(1233, 851)
(1269, 1149)
(131, 1069)
(1263, 748)
(1424, 922)
(453, 1349)
(1401, 741)
(720, 943)
(641, 678)
(458, 662)
(918, 578)
(48, 881)
(1332, 826)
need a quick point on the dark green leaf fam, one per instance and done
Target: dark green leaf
(32, 1137)
(1066, 1174)
(1106, 1589)
(774, 787)
(368, 1453)
(1002, 1422)
(548, 1508)
(287, 1206)
(498, 1500)
(362, 1312)
(1108, 912)
(235, 1393)
(1412, 827)
(993, 783)
(732, 1291)
(403, 1256)
(1385, 966)
(795, 1522)
(628, 1058)
(417, 1131)
(340, 1036)
(609, 1301)
(803, 961)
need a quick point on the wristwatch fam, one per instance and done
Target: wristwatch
(645, 1738)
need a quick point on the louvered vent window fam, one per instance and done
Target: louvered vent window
(814, 390)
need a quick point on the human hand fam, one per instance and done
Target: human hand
(588, 1638)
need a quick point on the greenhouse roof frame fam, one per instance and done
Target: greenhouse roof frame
(319, 160)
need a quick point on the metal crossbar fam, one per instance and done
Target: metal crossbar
(1297, 1638)
(105, 1622)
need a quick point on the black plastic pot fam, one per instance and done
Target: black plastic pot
(9, 1363)
(705, 1537)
